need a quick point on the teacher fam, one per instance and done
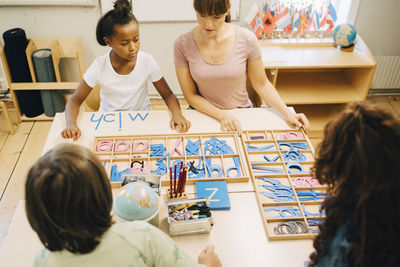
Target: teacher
(213, 61)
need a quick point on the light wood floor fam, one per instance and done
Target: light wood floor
(19, 151)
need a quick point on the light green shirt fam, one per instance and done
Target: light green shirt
(132, 244)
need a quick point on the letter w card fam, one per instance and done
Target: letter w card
(217, 193)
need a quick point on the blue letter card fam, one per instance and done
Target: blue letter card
(217, 192)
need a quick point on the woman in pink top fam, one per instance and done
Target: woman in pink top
(213, 61)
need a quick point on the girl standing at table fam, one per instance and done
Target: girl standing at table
(68, 204)
(122, 73)
(212, 62)
(358, 159)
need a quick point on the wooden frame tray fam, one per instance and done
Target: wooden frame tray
(135, 151)
(270, 155)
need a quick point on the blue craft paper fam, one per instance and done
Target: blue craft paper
(218, 191)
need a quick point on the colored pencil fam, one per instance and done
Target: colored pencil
(184, 177)
(179, 183)
(175, 181)
(170, 182)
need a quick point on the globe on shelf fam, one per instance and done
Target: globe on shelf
(344, 35)
(136, 201)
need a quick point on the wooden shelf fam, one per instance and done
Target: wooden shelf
(60, 48)
(312, 56)
(319, 74)
(42, 117)
(319, 116)
(316, 88)
(45, 86)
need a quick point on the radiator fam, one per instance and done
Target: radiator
(387, 73)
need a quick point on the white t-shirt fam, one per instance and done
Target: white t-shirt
(123, 92)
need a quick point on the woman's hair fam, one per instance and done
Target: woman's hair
(68, 199)
(213, 7)
(120, 15)
(359, 160)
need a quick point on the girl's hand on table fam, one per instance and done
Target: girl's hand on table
(180, 123)
(299, 120)
(72, 131)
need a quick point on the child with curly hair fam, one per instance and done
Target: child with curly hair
(358, 159)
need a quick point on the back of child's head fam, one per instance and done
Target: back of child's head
(358, 159)
(68, 199)
(120, 15)
(213, 8)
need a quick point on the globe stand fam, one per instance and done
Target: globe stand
(178, 196)
(349, 48)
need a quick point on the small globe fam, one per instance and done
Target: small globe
(136, 201)
(344, 35)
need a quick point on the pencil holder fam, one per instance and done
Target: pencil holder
(177, 197)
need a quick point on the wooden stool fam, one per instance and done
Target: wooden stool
(7, 115)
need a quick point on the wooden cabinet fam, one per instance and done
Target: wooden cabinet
(317, 79)
(305, 74)
(60, 48)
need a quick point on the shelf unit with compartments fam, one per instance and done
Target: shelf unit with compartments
(318, 79)
(60, 48)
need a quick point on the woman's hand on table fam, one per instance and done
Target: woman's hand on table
(299, 120)
(230, 123)
(72, 131)
(180, 123)
(209, 258)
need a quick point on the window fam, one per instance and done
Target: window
(300, 19)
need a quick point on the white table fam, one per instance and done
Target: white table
(238, 233)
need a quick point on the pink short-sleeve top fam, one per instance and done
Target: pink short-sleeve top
(222, 84)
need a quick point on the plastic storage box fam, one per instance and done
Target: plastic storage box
(192, 225)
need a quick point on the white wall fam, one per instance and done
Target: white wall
(57, 21)
(378, 22)
(158, 39)
(78, 21)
